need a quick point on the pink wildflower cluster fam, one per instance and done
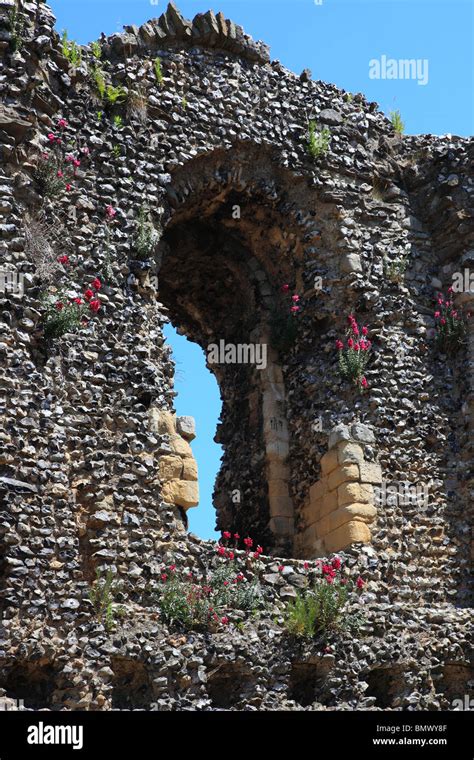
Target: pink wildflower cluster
(353, 355)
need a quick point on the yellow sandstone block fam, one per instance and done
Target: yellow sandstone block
(351, 493)
(350, 533)
(364, 512)
(170, 468)
(329, 462)
(183, 493)
(343, 474)
(190, 469)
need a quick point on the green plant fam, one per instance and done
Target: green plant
(320, 611)
(348, 97)
(184, 102)
(117, 150)
(102, 594)
(224, 594)
(99, 115)
(61, 315)
(16, 23)
(146, 235)
(99, 81)
(118, 121)
(96, 50)
(318, 141)
(354, 357)
(397, 122)
(71, 50)
(450, 325)
(394, 270)
(48, 174)
(114, 95)
(158, 71)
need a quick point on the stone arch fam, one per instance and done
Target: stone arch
(234, 232)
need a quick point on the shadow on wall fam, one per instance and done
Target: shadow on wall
(198, 396)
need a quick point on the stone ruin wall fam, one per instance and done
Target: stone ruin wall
(94, 469)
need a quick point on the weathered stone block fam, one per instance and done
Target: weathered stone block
(282, 526)
(162, 421)
(363, 512)
(329, 462)
(349, 493)
(318, 489)
(342, 474)
(183, 493)
(170, 467)
(350, 452)
(180, 446)
(370, 473)
(350, 533)
(190, 469)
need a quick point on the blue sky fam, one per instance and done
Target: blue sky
(335, 39)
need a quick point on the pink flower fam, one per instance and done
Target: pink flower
(339, 345)
(294, 309)
(360, 583)
(230, 555)
(442, 321)
(69, 159)
(172, 568)
(63, 260)
(437, 314)
(76, 162)
(62, 123)
(95, 305)
(285, 288)
(85, 150)
(364, 382)
(450, 289)
(357, 347)
(88, 294)
(221, 550)
(110, 211)
(51, 137)
(96, 284)
(60, 174)
(226, 534)
(364, 345)
(364, 331)
(224, 620)
(350, 343)
(164, 577)
(59, 305)
(77, 300)
(306, 565)
(236, 536)
(281, 568)
(336, 563)
(355, 329)
(248, 542)
(259, 550)
(295, 298)
(68, 187)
